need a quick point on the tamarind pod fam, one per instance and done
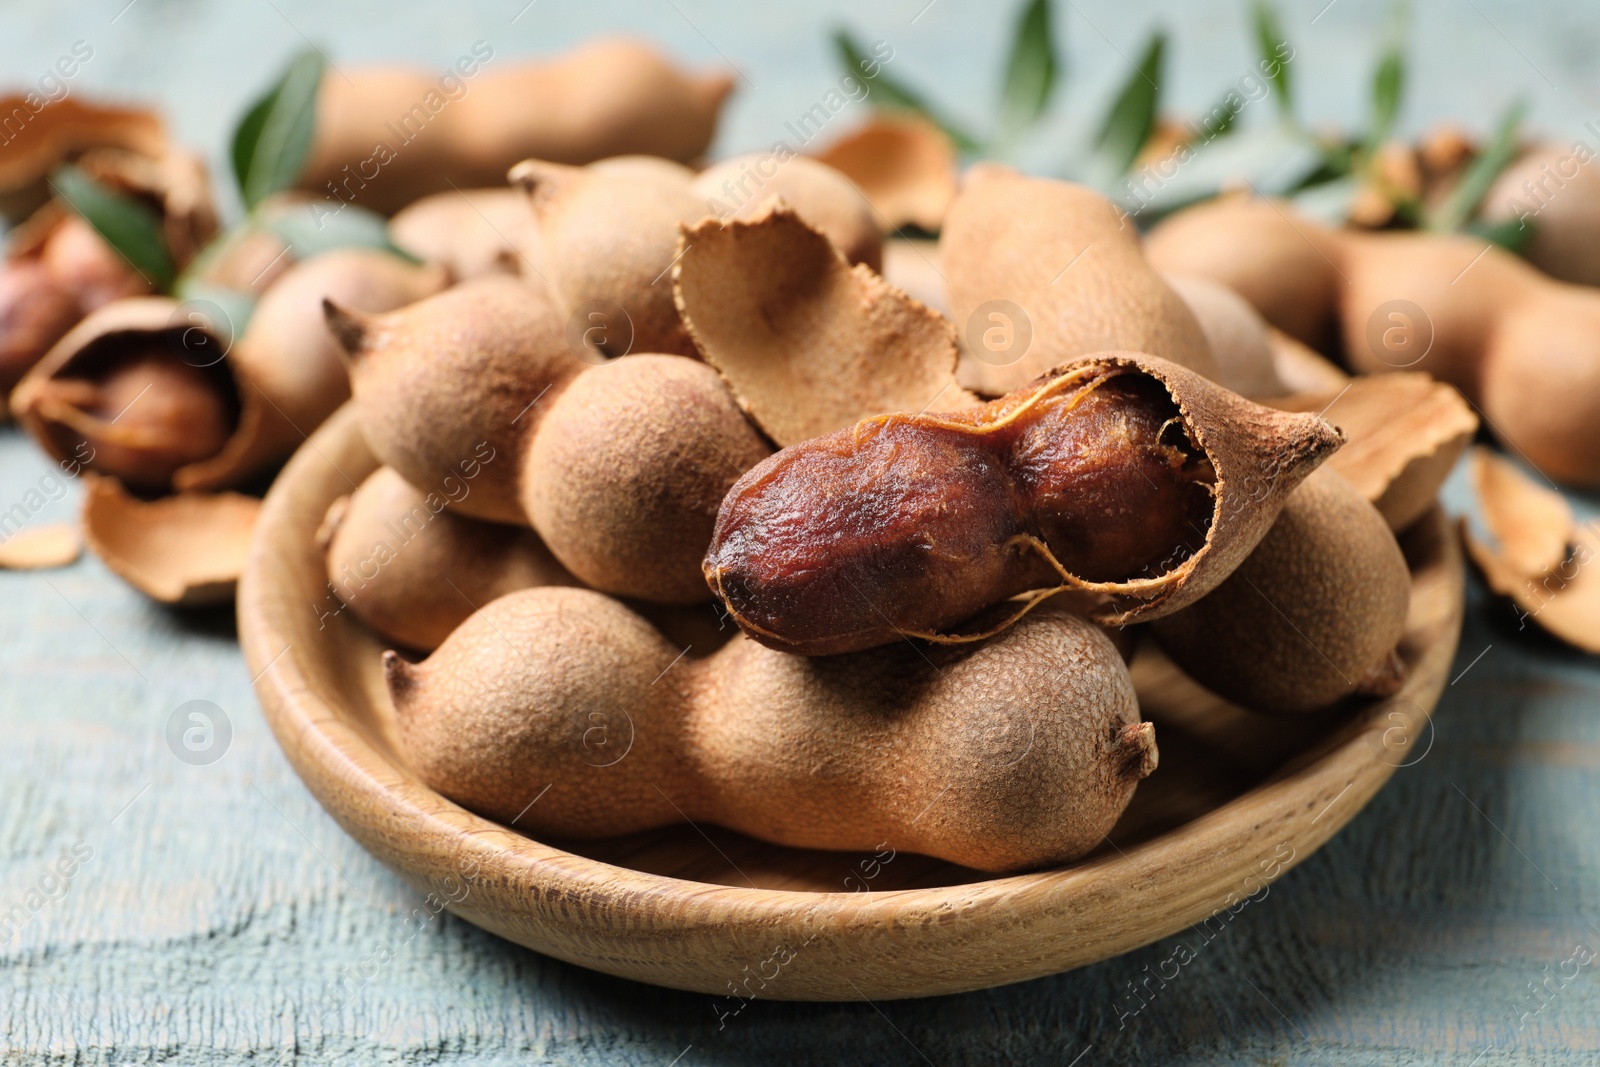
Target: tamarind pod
(828, 201)
(163, 402)
(1313, 615)
(470, 232)
(608, 238)
(456, 384)
(1522, 347)
(62, 130)
(387, 136)
(1019, 752)
(1285, 266)
(627, 468)
(1236, 334)
(1126, 478)
(1555, 190)
(1073, 264)
(414, 570)
(114, 396)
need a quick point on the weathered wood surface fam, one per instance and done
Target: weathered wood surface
(222, 916)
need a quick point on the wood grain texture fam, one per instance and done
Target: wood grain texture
(1177, 856)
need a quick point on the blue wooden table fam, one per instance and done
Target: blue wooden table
(192, 904)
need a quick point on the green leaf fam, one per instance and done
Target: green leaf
(892, 94)
(313, 228)
(273, 139)
(246, 134)
(1388, 82)
(1271, 41)
(1511, 234)
(129, 226)
(1218, 122)
(1132, 117)
(1474, 185)
(1030, 72)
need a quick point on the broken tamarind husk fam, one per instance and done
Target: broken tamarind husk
(145, 392)
(1404, 433)
(808, 343)
(905, 166)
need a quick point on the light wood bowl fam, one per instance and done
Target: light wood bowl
(1237, 800)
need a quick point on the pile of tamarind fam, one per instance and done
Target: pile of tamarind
(919, 617)
(911, 554)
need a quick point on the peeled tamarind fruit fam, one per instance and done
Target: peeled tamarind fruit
(1068, 259)
(828, 201)
(607, 240)
(413, 570)
(627, 469)
(1016, 753)
(1125, 479)
(386, 136)
(456, 383)
(1312, 616)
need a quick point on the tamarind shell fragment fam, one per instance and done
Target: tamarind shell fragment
(1135, 483)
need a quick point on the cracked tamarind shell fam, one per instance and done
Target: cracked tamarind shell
(1313, 615)
(1016, 753)
(741, 187)
(160, 400)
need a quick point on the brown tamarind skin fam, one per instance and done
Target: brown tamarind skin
(1521, 346)
(413, 570)
(1095, 479)
(1312, 616)
(609, 97)
(1017, 753)
(1072, 262)
(626, 471)
(456, 384)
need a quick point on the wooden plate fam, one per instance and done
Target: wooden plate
(1237, 800)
